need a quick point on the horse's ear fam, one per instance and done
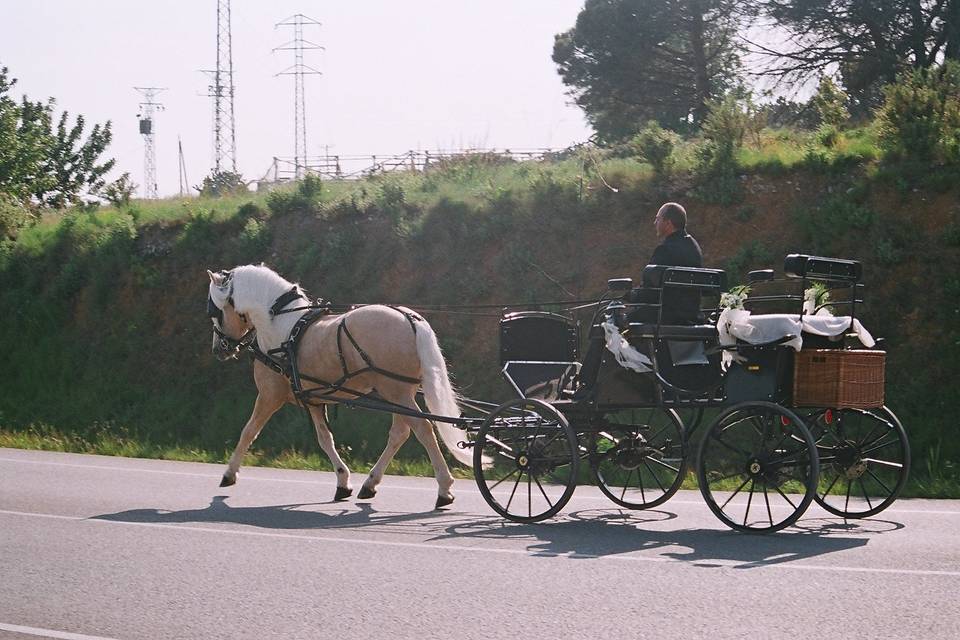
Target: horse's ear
(213, 276)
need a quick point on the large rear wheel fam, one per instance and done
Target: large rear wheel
(864, 460)
(525, 460)
(757, 467)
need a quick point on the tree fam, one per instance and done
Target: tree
(627, 62)
(222, 183)
(866, 42)
(43, 165)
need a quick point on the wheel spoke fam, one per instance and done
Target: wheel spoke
(746, 514)
(879, 481)
(863, 487)
(497, 484)
(545, 496)
(514, 491)
(662, 464)
(884, 463)
(766, 499)
(846, 502)
(827, 492)
(655, 478)
(734, 494)
(784, 496)
(626, 483)
(873, 446)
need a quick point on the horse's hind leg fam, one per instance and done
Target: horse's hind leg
(399, 432)
(425, 434)
(265, 406)
(325, 438)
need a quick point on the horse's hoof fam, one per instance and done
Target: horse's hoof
(443, 501)
(228, 481)
(342, 493)
(365, 493)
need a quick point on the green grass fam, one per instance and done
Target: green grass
(103, 440)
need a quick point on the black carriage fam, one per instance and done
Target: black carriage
(784, 427)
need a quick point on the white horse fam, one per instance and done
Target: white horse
(388, 350)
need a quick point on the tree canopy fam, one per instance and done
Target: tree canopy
(866, 42)
(627, 62)
(43, 164)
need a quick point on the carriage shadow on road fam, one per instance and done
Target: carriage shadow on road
(598, 533)
(585, 534)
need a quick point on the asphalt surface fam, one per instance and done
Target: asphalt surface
(96, 547)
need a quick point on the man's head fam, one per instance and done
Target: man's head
(670, 218)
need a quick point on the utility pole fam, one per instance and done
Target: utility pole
(222, 92)
(298, 69)
(184, 183)
(147, 131)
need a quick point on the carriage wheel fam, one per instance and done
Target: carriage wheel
(640, 457)
(532, 457)
(757, 467)
(864, 460)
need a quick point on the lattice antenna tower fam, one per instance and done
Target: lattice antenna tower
(222, 92)
(147, 107)
(298, 70)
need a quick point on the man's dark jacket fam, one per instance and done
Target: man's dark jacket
(679, 249)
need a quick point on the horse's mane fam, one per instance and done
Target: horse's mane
(256, 286)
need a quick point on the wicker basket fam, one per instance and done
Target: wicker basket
(838, 378)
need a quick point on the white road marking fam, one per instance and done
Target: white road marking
(48, 633)
(711, 563)
(424, 489)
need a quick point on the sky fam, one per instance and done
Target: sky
(397, 75)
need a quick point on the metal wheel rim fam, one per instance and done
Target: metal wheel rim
(749, 485)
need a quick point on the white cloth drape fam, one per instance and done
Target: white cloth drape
(739, 324)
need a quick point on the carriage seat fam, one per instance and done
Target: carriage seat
(707, 332)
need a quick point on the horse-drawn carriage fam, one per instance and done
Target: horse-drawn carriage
(793, 414)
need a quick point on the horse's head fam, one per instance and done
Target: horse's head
(232, 331)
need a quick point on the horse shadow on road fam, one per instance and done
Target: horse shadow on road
(585, 534)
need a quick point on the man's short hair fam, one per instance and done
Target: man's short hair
(675, 213)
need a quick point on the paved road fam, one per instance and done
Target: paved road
(96, 547)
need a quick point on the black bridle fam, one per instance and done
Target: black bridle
(228, 344)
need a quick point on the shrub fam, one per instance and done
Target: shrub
(830, 103)
(655, 145)
(920, 117)
(222, 183)
(13, 216)
(717, 164)
(304, 198)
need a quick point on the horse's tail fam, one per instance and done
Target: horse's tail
(439, 393)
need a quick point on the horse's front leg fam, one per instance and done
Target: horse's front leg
(319, 417)
(265, 406)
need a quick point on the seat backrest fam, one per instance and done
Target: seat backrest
(797, 265)
(538, 336)
(681, 290)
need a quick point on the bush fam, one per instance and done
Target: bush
(304, 198)
(717, 163)
(223, 183)
(655, 145)
(831, 104)
(13, 216)
(920, 118)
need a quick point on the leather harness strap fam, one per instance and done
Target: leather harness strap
(283, 360)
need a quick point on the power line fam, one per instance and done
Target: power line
(298, 69)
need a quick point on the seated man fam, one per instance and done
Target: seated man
(676, 249)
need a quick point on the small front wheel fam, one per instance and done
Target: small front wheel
(639, 458)
(757, 467)
(525, 460)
